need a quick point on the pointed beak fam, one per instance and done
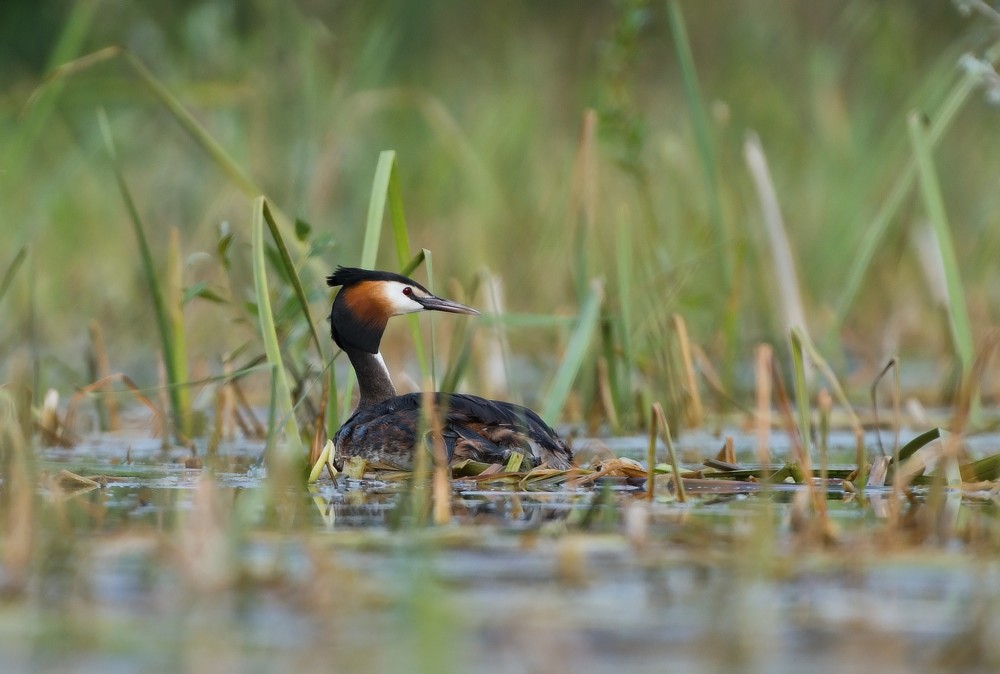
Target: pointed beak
(433, 303)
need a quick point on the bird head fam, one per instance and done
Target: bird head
(367, 299)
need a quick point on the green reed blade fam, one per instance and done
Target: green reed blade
(413, 264)
(576, 351)
(806, 344)
(293, 277)
(427, 369)
(386, 189)
(930, 188)
(373, 233)
(293, 448)
(175, 312)
(376, 208)
(149, 272)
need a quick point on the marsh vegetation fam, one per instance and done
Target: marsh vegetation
(743, 259)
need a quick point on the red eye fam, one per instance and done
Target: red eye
(407, 290)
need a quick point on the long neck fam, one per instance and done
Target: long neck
(373, 377)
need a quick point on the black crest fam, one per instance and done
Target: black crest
(347, 276)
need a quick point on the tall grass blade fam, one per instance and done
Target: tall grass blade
(625, 263)
(703, 135)
(79, 18)
(930, 188)
(875, 232)
(218, 154)
(160, 310)
(282, 398)
(175, 312)
(576, 351)
(12, 268)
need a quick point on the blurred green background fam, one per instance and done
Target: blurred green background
(485, 105)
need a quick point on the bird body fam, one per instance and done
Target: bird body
(384, 427)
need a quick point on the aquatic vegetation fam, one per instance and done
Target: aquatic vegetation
(729, 254)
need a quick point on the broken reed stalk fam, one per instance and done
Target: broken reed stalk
(729, 450)
(441, 485)
(802, 341)
(418, 477)
(897, 478)
(162, 428)
(18, 498)
(969, 393)
(873, 391)
(257, 429)
(668, 440)
(695, 410)
(712, 378)
(825, 404)
(763, 371)
(607, 397)
(319, 425)
(651, 458)
(227, 403)
(787, 280)
(108, 401)
(802, 403)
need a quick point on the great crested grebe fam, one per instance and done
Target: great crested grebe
(384, 425)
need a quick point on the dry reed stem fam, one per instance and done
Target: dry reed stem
(786, 279)
(319, 424)
(17, 498)
(604, 388)
(695, 410)
(258, 429)
(763, 378)
(104, 371)
(651, 458)
(729, 450)
(676, 474)
(816, 497)
(227, 403)
(825, 404)
(161, 426)
(441, 475)
(101, 384)
(968, 395)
